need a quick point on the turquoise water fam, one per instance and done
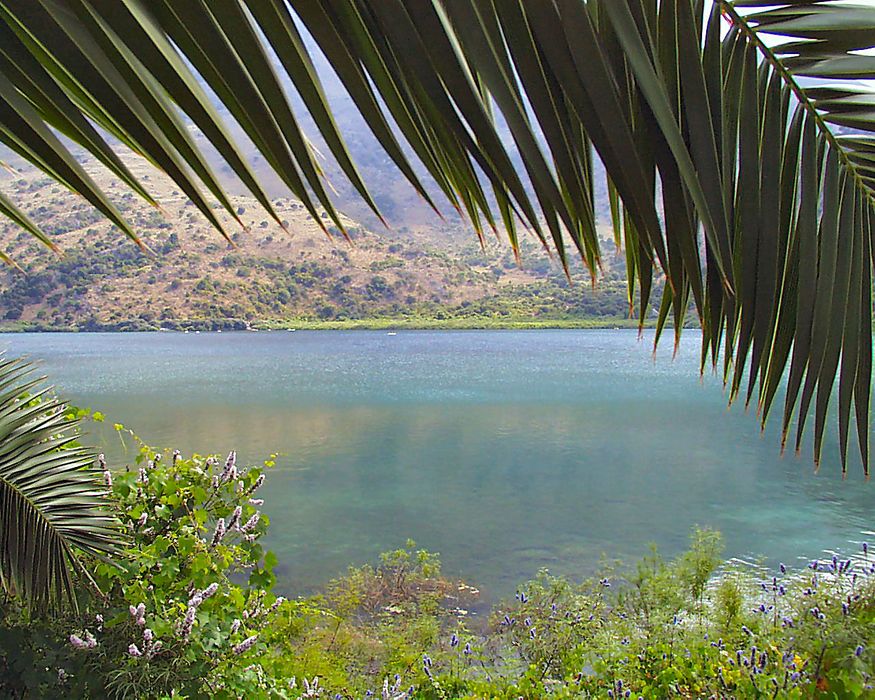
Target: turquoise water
(505, 451)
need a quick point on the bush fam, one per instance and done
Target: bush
(180, 613)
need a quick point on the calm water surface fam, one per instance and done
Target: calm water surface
(504, 451)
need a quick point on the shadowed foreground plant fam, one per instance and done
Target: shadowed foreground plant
(186, 610)
(183, 606)
(53, 506)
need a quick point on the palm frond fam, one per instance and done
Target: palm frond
(52, 503)
(722, 127)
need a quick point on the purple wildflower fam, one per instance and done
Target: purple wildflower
(251, 523)
(259, 482)
(187, 623)
(245, 645)
(134, 651)
(138, 614)
(858, 652)
(219, 533)
(230, 471)
(234, 522)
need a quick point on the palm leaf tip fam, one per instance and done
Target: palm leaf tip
(53, 509)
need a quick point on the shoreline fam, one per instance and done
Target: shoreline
(374, 324)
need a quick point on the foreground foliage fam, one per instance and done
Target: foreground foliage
(188, 612)
(692, 627)
(179, 612)
(51, 498)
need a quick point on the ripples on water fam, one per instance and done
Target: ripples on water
(506, 451)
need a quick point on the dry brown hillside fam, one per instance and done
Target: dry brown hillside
(196, 278)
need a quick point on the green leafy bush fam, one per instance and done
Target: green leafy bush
(180, 613)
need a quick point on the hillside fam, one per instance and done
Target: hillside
(394, 195)
(268, 276)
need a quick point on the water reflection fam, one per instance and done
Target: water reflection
(505, 452)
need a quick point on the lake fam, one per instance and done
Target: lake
(505, 451)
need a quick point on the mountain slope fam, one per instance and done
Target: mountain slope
(196, 279)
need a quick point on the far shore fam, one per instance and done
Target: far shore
(372, 324)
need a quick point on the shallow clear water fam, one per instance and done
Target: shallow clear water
(505, 451)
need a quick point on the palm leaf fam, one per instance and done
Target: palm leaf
(52, 504)
(720, 126)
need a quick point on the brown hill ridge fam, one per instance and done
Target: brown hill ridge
(268, 276)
